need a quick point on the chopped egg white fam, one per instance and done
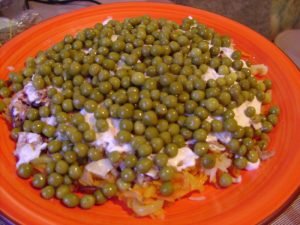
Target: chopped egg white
(29, 147)
(100, 168)
(227, 51)
(107, 20)
(107, 139)
(51, 120)
(213, 143)
(87, 51)
(253, 166)
(223, 137)
(120, 64)
(153, 173)
(222, 163)
(260, 69)
(114, 37)
(185, 158)
(31, 92)
(10, 68)
(237, 180)
(239, 112)
(211, 74)
(89, 118)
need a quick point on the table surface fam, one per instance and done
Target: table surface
(290, 215)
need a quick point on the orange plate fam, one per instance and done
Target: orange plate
(261, 193)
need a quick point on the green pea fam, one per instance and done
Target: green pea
(62, 191)
(32, 114)
(75, 136)
(67, 105)
(81, 149)
(234, 145)
(89, 136)
(101, 113)
(48, 192)
(201, 148)
(94, 154)
(171, 150)
(211, 104)
(252, 156)
(267, 126)
(143, 165)
(101, 125)
(130, 161)
(166, 173)
(55, 179)
(200, 135)
(208, 161)
(242, 150)
(38, 180)
(75, 172)
(216, 125)
(236, 55)
(240, 162)
(230, 125)
(61, 167)
(250, 111)
(87, 201)
(100, 198)
(161, 159)
(62, 117)
(109, 190)
(150, 118)
(193, 122)
(273, 119)
(144, 150)
(71, 200)
(27, 125)
(128, 175)
(114, 156)
(138, 78)
(274, 110)
(25, 170)
(48, 130)
(38, 82)
(166, 189)
(57, 98)
(139, 128)
(54, 146)
(90, 105)
(225, 180)
(14, 133)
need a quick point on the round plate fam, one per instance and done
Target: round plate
(261, 192)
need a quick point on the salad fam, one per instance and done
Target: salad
(145, 110)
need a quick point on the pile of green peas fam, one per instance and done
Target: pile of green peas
(150, 77)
